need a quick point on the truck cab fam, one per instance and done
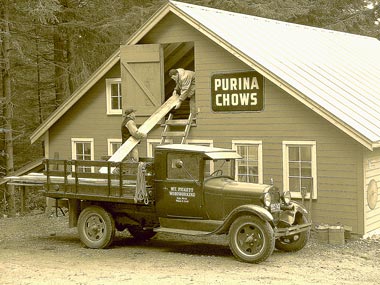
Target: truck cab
(196, 193)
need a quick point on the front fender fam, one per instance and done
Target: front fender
(298, 207)
(244, 209)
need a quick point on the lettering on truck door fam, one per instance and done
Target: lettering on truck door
(181, 193)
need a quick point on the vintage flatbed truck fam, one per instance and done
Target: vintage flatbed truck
(176, 193)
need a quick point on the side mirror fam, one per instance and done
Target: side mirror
(177, 163)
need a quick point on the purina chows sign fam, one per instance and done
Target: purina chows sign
(237, 92)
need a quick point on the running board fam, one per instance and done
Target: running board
(181, 231)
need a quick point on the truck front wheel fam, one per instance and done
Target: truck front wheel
(251, 239)
(96, 227)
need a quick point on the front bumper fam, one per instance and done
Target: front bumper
(283, 232)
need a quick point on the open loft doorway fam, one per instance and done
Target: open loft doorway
(178, 55)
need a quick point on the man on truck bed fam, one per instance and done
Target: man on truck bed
(185, 86)
(128, 129)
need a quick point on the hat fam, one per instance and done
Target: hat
(128, 111)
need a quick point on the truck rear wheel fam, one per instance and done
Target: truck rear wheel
(251, 239)
(294, 242)
(96, 227)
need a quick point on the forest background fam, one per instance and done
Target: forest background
(48, 48)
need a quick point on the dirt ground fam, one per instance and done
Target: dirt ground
(37, 249)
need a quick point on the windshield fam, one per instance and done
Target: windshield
(220, 167)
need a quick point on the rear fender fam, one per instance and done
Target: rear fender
(244, 210)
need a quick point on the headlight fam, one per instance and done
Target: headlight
(267, 199)
(286, 197)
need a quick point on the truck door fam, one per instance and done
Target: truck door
(180, 193)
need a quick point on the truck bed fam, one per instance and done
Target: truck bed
(130, 182)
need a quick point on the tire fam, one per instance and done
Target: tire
(96, 227)
(140, 234)
(251, 239)
(294, 242)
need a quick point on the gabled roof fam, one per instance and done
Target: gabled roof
(333, 73)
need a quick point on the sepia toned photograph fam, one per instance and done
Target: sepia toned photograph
(189, 142)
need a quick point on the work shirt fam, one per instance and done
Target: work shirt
(125, 133)
(186, 78)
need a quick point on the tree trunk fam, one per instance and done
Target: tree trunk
(59, 66)
(7, 96)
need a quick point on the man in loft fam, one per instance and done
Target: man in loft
(185, 86)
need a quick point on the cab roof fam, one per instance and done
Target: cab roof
(210, 152)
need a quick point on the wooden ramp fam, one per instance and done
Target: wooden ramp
(146, 127)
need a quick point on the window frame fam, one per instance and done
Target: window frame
(74, 141)
(209, 143)
(285, 159)
(150, 143)
(236, 143)
(110, 110)
(109, 145)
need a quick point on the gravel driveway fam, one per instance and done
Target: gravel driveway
(37, 249)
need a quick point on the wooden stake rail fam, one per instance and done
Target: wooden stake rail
(67, 179)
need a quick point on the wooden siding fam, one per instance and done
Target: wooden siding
(87, 119)
(371, 171)
(339, 158)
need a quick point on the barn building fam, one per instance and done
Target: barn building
(300, 104)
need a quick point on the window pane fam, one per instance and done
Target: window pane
(115, 103)
(294, 184)
(305, 153)
(79, 149)
(306, 169)
(306, 184)
(294, 154)
(253, 153)
(294, 169)
(115, 146)
(115, 90)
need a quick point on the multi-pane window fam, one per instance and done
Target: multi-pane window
(249, 167)
(300, 168)
(83, 149)
(114, 98)
(113, 145)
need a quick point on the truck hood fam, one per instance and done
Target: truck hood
(231, 187)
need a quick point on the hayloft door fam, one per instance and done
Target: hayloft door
(142, 77)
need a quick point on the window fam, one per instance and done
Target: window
(189, 169)
(113, 145)
(209, 165)
(151, 145)
(300, 168)
(250, 167)
(82, 149)
(114, 98)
